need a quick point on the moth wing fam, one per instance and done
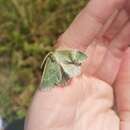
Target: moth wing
(78, 57)
(52, 73)
(71, 70)
(62, 56)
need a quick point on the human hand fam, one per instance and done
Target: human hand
(102, 30)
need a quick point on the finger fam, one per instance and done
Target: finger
(121, 42)
(122, 91)
(96, 50)
(89, 23)
(110, 30)
(112, 59)
(117, 25)
(109, 23)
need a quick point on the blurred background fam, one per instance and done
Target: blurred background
(28, 30)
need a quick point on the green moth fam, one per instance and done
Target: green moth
(60, 66)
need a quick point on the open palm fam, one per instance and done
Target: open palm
(102, 30)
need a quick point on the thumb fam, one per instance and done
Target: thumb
(122, 90)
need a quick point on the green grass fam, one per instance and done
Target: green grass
(28, 30)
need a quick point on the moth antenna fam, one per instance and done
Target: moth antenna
(45, 66)
(45, 59)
